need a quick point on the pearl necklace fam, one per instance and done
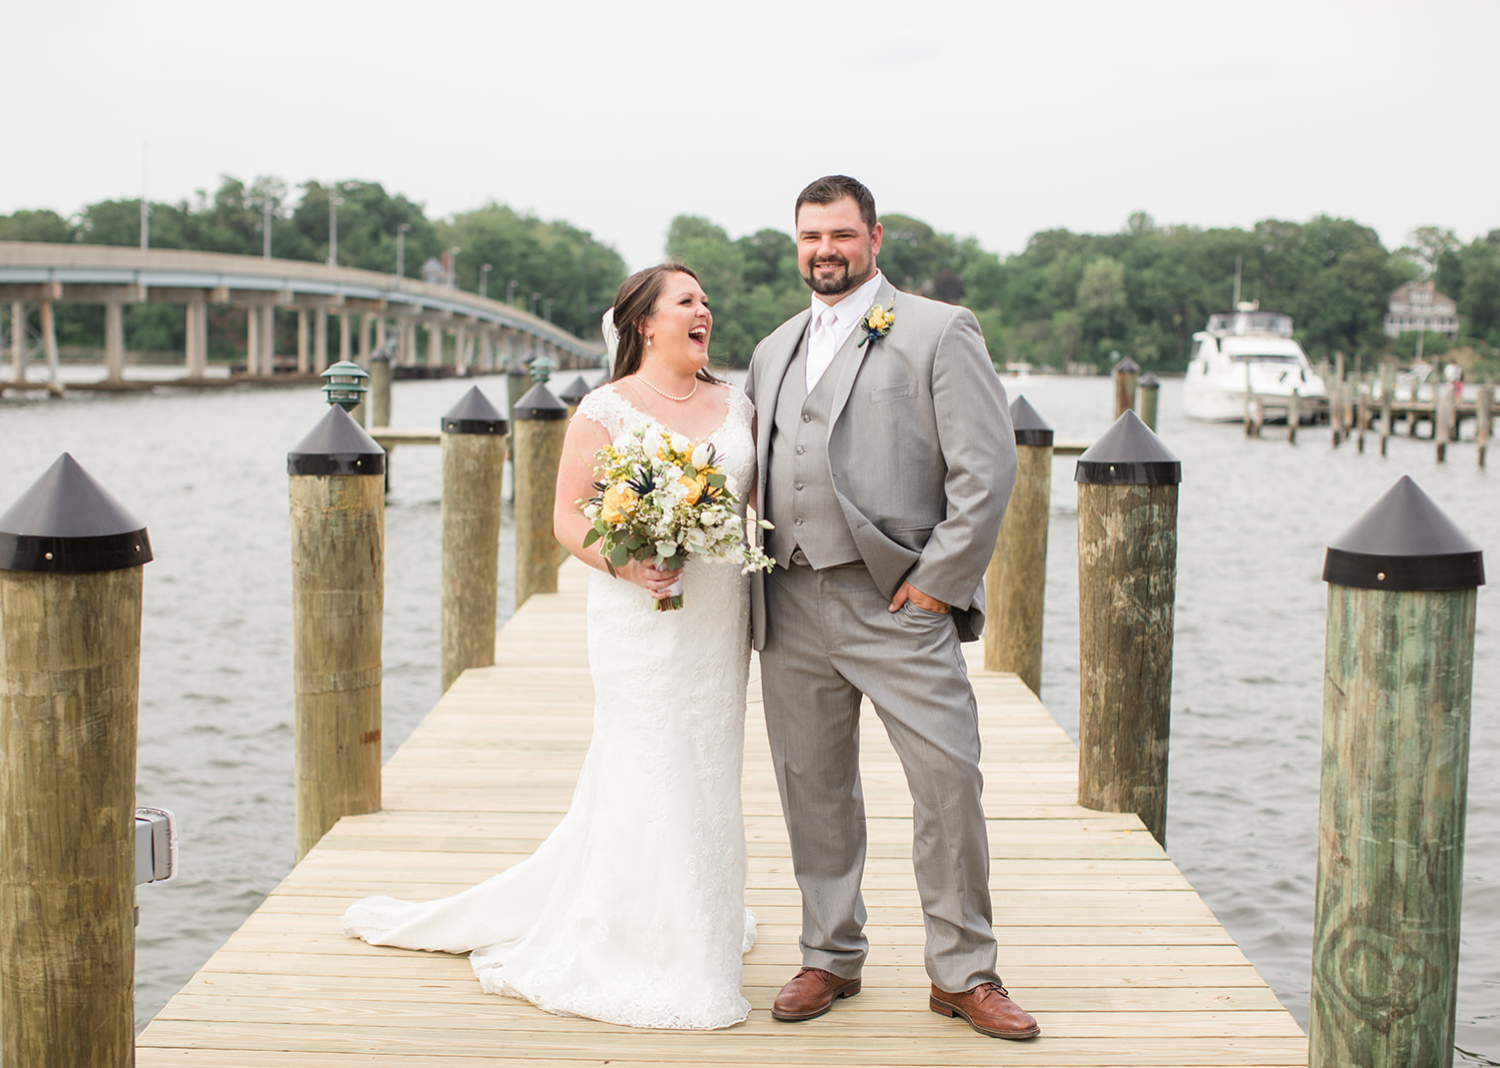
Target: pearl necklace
(667, 395)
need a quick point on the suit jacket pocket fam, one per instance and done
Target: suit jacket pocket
(886, 394)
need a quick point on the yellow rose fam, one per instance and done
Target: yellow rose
(692, 488)
(619, 502)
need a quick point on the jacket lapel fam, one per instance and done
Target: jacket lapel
(852, 363)
(770, 385)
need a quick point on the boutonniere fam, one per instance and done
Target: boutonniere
(878, 322)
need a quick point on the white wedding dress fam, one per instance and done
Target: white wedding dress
(632, 911)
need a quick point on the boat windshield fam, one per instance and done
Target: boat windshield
(1264, 357)
(1245, 323)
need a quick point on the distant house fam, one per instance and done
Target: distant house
(1419, 306)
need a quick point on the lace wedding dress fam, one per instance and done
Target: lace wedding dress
(632, 911)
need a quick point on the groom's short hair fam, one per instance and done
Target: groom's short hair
(834, 187)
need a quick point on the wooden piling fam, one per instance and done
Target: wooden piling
(1147, 393)
(1485, 418)
(1362, 418)
(1442, 419)
(338, 598)
(1016, 582)
(474, 438)
(1127, 583)
(1127, 371)
(1396, 706)
(379, 398)
(539, 424)
(1387, 391)
(1293, 416)
(70, 642)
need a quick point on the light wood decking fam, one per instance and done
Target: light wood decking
(1101, 938)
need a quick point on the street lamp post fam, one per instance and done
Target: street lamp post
(484, 279)
(510, 292)
(334, 200)
(534, 298)
(265, 227)
(547, 313)
(401, 249)
(453, 266)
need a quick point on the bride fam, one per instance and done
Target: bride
(632, 911)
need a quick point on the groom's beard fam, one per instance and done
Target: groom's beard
(831, 285)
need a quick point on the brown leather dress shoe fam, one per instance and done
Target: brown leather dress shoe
(988, 1009)
(812, 992)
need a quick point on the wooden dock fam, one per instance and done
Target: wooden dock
(1100, 936)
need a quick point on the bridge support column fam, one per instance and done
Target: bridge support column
(487, 350)
(268, 340)
(304, 357)
(114, 340)
(346, 337)
(18, 339)
(461, 347)
(196, 355)
(252, 340)
(366, 325)
(49, 338)
(434, 345)
(320, 341)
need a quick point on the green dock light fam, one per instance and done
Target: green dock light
(541, 370)
(345, 385)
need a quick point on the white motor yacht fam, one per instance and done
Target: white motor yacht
(1247, 349)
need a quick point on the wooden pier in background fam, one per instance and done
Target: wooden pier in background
(1101, 937)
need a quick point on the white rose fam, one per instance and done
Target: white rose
(681, 443)
(672, 473)
(700, 455)
(591, 511)
(697, 540)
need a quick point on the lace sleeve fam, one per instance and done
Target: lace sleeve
(606, 407)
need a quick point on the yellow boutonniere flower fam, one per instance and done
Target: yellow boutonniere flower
(878, 321)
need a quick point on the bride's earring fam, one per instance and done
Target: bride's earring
(648, 341)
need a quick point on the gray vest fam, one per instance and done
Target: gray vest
(799, 482)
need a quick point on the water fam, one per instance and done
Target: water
(207, 473)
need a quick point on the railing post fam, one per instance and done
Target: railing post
(70, 646)
(473, 480)
(337, 476)
(1016, 582)
(1127, 588)
(1402, 587)
(539, 423)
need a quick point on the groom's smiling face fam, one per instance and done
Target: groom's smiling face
(835, 249)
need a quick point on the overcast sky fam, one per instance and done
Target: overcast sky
(994, 120)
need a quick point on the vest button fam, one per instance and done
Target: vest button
(806, 418)
(800, 450)
(798, 485)
(797, 521)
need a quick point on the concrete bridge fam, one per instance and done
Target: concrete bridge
(488, 333)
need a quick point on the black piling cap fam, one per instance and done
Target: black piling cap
(1128, 454)
(575, 392)
(1031, 429)
(538, 405)
(336, 446)
(1404, 542)
(474, 414)
(1148, 381)
(1127, 366)
(68, 523)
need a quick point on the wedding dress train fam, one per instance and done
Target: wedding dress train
(632, 910)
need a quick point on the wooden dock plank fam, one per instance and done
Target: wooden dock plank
(1101, 937)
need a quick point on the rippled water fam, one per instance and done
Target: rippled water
(207, 474)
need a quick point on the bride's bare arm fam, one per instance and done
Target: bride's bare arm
(575, 483)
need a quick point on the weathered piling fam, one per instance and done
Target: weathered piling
(337, 477)
(1485, 419)
(1362, 418)
(574, 394)
(1402, 588)
(1293, 416)
(1147, 393)
(1127, 371)
(474, 436)
(1387, 390)
(1016, 581)
(1127, 587)
(1442, 420)
(71, 580)
(380, 389)
(539, 423)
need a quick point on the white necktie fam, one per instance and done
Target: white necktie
(822, 346)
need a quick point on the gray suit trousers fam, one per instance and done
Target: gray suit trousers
(833, 639)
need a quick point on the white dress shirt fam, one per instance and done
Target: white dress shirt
(832, 324)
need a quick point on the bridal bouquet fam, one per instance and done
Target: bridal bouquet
(662, 498)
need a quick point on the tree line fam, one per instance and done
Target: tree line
(1065, 299)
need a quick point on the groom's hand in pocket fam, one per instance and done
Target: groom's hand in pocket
(908, 592)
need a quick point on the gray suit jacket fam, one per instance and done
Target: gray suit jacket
(921, 448)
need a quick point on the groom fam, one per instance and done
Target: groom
(885, 456)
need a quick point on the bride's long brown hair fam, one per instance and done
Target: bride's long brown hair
(634, 304)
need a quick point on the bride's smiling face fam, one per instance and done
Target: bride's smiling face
(680, 324)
